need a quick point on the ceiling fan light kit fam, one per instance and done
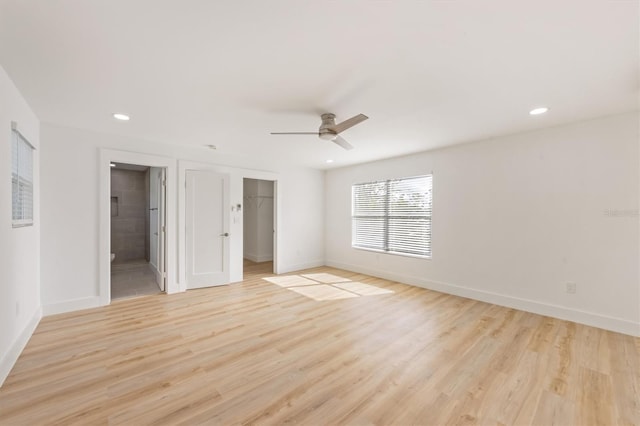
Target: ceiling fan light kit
(330, 131)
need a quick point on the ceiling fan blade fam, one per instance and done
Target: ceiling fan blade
(346, 124)
(295, 133)
(343, 143)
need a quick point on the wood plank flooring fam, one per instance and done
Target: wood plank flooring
(258, 353)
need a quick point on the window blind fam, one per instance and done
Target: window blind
(21, 180)
(393, 216)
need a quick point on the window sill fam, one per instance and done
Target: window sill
(394, 253)
(21, 224)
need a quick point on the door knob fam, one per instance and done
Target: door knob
(226, 234)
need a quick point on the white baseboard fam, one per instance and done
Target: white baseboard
(258, 258)
(619, 325)
(250, 256)
(9, 359)
(72, 305)
(284, 269)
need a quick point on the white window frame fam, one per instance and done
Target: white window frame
(387, 231)
(21, 177)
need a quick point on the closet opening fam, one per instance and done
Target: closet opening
(258, 227)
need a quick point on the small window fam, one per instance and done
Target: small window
(393, 216)
(21, 180)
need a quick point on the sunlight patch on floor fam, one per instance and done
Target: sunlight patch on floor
(326, 286)
(326, 278)
(322, 292)
(290, 281)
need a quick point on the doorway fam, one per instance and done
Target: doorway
(258, 226)
(137, 240)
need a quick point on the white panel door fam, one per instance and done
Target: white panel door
(154, 216)
(162, 241)
(157, 230)
(207, 224)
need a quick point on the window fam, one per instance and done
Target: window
(393, 216)
(21, 180)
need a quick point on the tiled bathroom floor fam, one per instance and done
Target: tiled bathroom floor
(132, 278)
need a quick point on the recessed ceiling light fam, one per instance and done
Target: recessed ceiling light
(329, 161)
(120, 116)
(538, 111)
(112, 164)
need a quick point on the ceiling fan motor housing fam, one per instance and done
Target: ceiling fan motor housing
(328, 120)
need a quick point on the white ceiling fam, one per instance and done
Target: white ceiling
(427, 73)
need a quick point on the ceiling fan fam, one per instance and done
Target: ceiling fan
(330, 131)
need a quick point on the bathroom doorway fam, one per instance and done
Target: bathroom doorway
(258, 227)
(137, 230)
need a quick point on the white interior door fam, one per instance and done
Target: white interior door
(207, 223)
(162, 230)
(157, 224)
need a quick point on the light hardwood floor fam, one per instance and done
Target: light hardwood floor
(256, 352)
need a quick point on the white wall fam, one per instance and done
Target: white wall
(20, 308)
(300, 221)
(70, 210)
(258, 220)
(69, 242)
(264, 207)
(517, 217)
(249, 219)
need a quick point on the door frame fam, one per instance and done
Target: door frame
(106, 157)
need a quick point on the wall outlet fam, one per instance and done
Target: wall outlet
(571, 288)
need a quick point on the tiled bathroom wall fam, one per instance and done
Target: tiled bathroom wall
(129, 211)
